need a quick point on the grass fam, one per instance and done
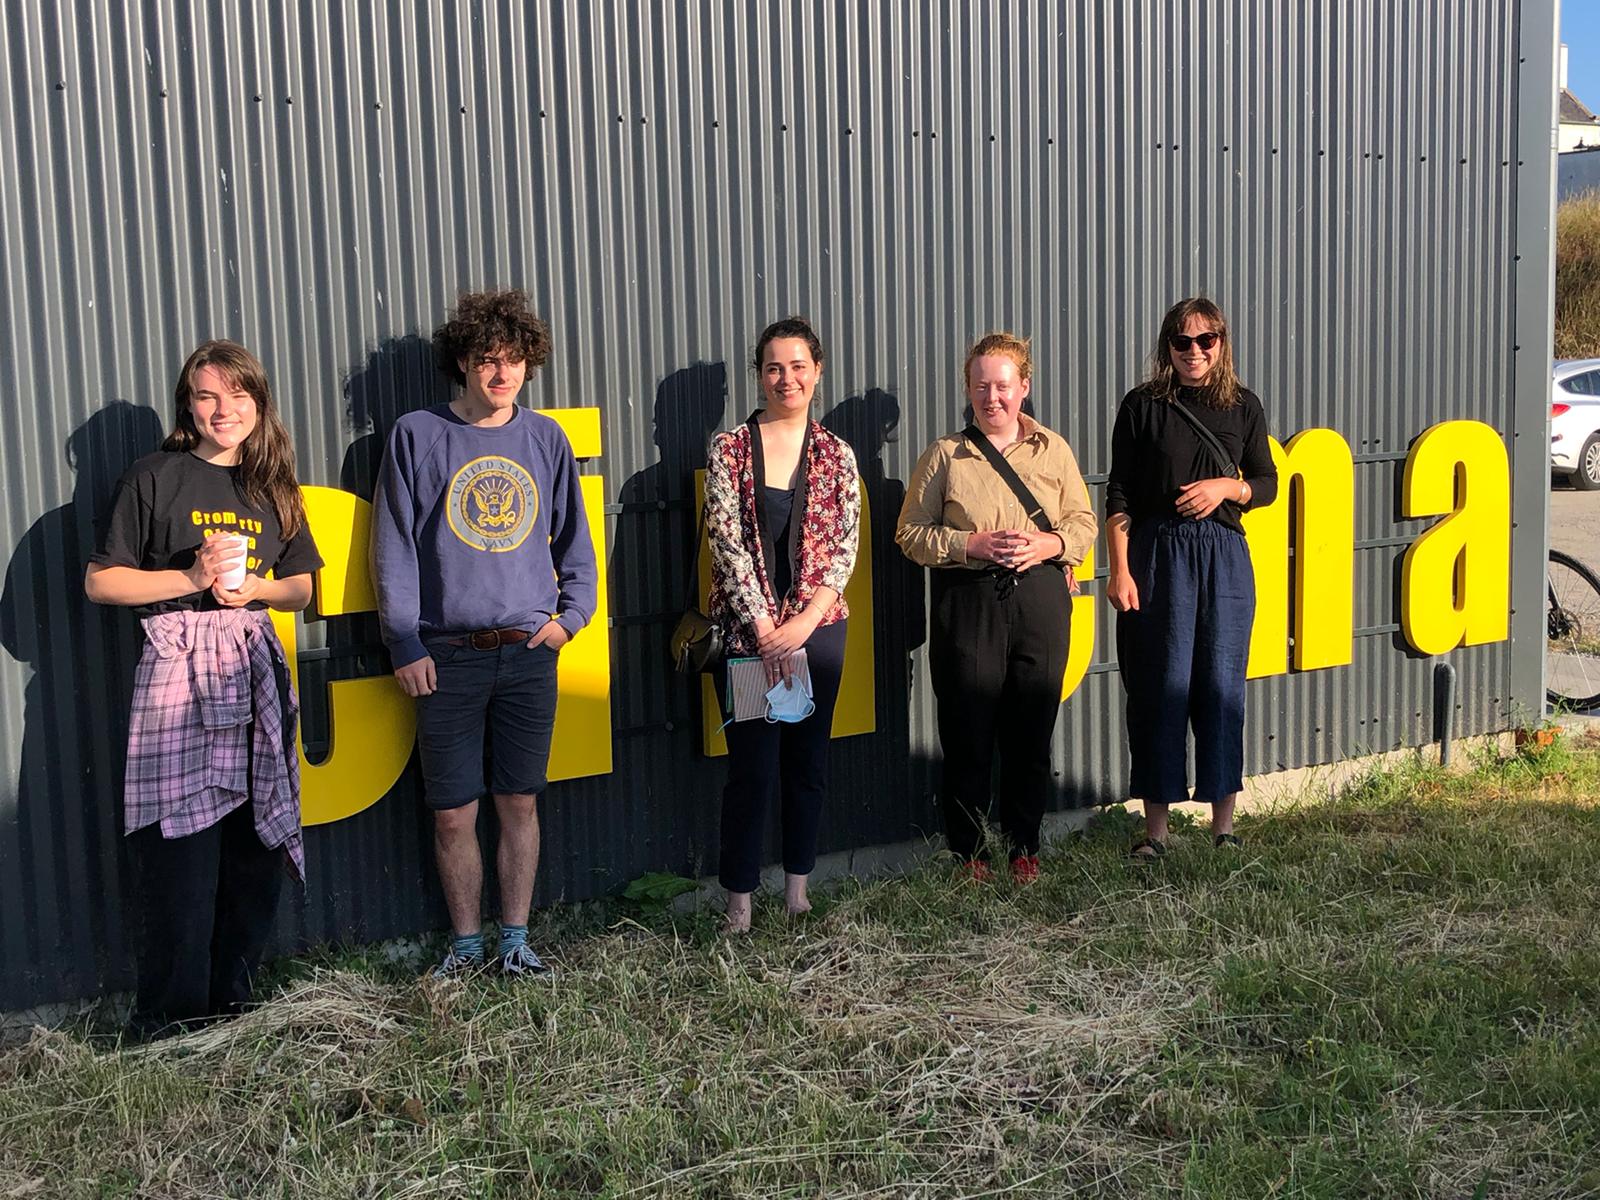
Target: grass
(1393, 994)
(1578, 277)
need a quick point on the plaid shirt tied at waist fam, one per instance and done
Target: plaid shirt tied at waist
(214, 724)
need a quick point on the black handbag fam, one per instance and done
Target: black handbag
(696, 641)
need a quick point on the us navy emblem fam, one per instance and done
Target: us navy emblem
(493, 503)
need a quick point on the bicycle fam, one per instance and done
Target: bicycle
(1572, 646)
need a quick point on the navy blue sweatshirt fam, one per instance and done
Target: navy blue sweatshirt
(478, 527)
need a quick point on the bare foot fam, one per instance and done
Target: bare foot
(794, 895)
(738, 918)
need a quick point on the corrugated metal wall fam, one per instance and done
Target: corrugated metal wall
(1350, 180)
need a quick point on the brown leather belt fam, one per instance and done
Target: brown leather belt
(491, 639)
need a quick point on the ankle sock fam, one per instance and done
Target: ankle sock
(512, 936)
(467, 945)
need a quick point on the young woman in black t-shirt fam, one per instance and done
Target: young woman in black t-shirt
(212, 795)
(1181, 579)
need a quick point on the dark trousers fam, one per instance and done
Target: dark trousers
(996, 656)
(778, 761)
(1182, 656)
(208, 901)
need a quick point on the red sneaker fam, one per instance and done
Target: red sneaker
(1025, 868)
(976, 870)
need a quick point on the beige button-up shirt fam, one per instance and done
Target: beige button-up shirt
(954, 491)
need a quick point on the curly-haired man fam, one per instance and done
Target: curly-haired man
(485, 570)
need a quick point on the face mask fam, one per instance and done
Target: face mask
(789, 702)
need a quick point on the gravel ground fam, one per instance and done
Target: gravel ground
(1575, 523)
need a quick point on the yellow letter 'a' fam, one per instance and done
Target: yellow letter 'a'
(1455, 584)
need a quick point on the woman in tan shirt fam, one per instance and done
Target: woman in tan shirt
(999, 601)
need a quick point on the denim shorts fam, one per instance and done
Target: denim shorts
(487, 726)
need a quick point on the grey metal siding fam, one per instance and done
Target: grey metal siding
(1364, 187)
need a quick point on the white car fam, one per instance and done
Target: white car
(1575, 422)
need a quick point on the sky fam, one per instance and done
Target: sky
(1580, 30)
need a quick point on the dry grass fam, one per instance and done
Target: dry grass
(1390, 995)
(1577, 283)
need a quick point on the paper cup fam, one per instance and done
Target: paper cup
(232, 576)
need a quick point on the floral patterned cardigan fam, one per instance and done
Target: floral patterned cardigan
(823, 545)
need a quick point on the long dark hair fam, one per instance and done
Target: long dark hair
(266, 459)
(1222, 387)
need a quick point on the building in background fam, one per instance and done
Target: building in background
(319, 181)
(1577, 140)
(1578, 128)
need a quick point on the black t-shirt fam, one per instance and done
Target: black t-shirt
(780, 515)
(1154, 452)
(168, 503)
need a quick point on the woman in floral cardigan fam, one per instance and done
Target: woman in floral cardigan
(782, 506)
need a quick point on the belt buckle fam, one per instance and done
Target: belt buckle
(484, 639)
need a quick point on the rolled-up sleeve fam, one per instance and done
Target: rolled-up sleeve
(1257, 467)
(1076, 525)
(921, 533)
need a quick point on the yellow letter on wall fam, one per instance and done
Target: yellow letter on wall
(581, 745)
(372, 723)
(1455, 584)
(1080, 645)
(1318, 469)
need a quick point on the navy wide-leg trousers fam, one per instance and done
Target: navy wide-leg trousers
(1182, 656)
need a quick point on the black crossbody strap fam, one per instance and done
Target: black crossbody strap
(1014, 481)
(1207, 439)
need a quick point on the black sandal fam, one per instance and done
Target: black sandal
(1148, 851)
(1227, 839)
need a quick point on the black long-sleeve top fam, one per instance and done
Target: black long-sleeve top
(1154, 452)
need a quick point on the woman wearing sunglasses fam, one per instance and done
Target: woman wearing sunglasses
(1189, 455)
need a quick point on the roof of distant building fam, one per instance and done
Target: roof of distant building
(1575, 111)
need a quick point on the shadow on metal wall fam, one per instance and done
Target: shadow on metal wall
(652, 549)
(896, 787)
(399, 376)
(62, 869)
(662, 804)
(370, 876)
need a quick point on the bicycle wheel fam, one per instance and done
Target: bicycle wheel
(1572, 646)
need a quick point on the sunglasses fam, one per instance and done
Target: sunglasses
(1181, 341)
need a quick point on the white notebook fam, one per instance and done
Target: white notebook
(748, 686)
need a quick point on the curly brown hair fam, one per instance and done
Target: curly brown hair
(266, 459)
(1222, 387)
(487, 322)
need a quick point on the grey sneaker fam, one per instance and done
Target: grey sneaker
(520, 962)
(456, 966)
